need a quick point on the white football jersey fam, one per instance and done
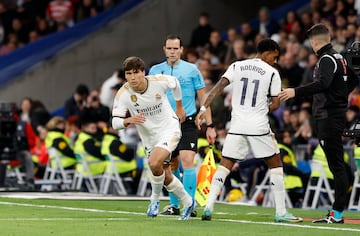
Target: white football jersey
(153, 103)
(253, 81)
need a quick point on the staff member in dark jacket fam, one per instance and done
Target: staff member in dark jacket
(333, 81)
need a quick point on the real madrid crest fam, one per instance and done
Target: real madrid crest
(133, 98)
(158, 96)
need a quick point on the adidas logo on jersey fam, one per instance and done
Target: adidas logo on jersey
(220, 180)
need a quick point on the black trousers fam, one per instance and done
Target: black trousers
(329, 133)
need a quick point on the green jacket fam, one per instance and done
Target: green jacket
(96, 165)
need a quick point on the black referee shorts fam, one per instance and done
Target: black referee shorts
(189, 136)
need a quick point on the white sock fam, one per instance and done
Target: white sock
(217, 183)
(157, 183)
(177, 188)
(278, 189)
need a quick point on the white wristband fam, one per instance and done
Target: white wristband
(202, 108)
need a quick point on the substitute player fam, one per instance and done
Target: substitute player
(254, 82)
(157, 124)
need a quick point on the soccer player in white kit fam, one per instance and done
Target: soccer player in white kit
(144, 97)
(254, 81)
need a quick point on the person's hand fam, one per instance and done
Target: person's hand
(136, 119)
(199, 119)
(181, 113)
(211, 135)
(286, 94)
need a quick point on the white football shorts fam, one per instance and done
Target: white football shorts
(237, 146)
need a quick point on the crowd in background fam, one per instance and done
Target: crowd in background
(211, 49)
(25, 21)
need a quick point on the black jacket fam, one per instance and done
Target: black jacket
(331, 86)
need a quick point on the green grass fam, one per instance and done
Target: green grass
(124, 217)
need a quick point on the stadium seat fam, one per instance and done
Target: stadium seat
(144, 180)
(235, 185)
(111, 175)
(354, 202)
(265, 188)
(83, 175)
(13, 172)
(318, 190)
(55, 174)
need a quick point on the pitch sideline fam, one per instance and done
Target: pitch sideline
(137, 213)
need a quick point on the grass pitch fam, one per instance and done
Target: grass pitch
(127, 217)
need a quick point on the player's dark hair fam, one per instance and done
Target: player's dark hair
(318, 29)
(134, 63)
(173, 36)
(266, 45)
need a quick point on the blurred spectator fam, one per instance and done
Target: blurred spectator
(303, 54)
(291, 70)
(106, 94)
(87, 9)
(10, 45)
(220, 113)
(231, 36)
(56, 139)
(352, 115)
(339, 39)
(201, 34)
(20, 31)
(42, 27)
(350, 34)
(39, 115)
(309, 69)
(306, 20)
(266, 26)
(211, 63)
(94, 110)
(247, 33)
(39, 153)
(305, 129)
(6, 17)
(107, 4)
(290, 18)
(328, 11)
(290, 120)
(192, 56)
(237, 53)
(77, 101)
(217, 46)
(351, 17)
(316, 5)
(60, 11)
(72, 128)
(25, 109)
(88, 145)
(33, 36)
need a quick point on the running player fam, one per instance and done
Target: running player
(157, 124)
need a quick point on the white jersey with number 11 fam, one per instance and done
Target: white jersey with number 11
(253, 81)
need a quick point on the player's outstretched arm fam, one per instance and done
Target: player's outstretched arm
(214, 92)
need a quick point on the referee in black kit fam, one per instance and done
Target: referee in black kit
(332, 83)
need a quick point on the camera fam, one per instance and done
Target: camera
(353, 132)
(8, 131)
(352, 56)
